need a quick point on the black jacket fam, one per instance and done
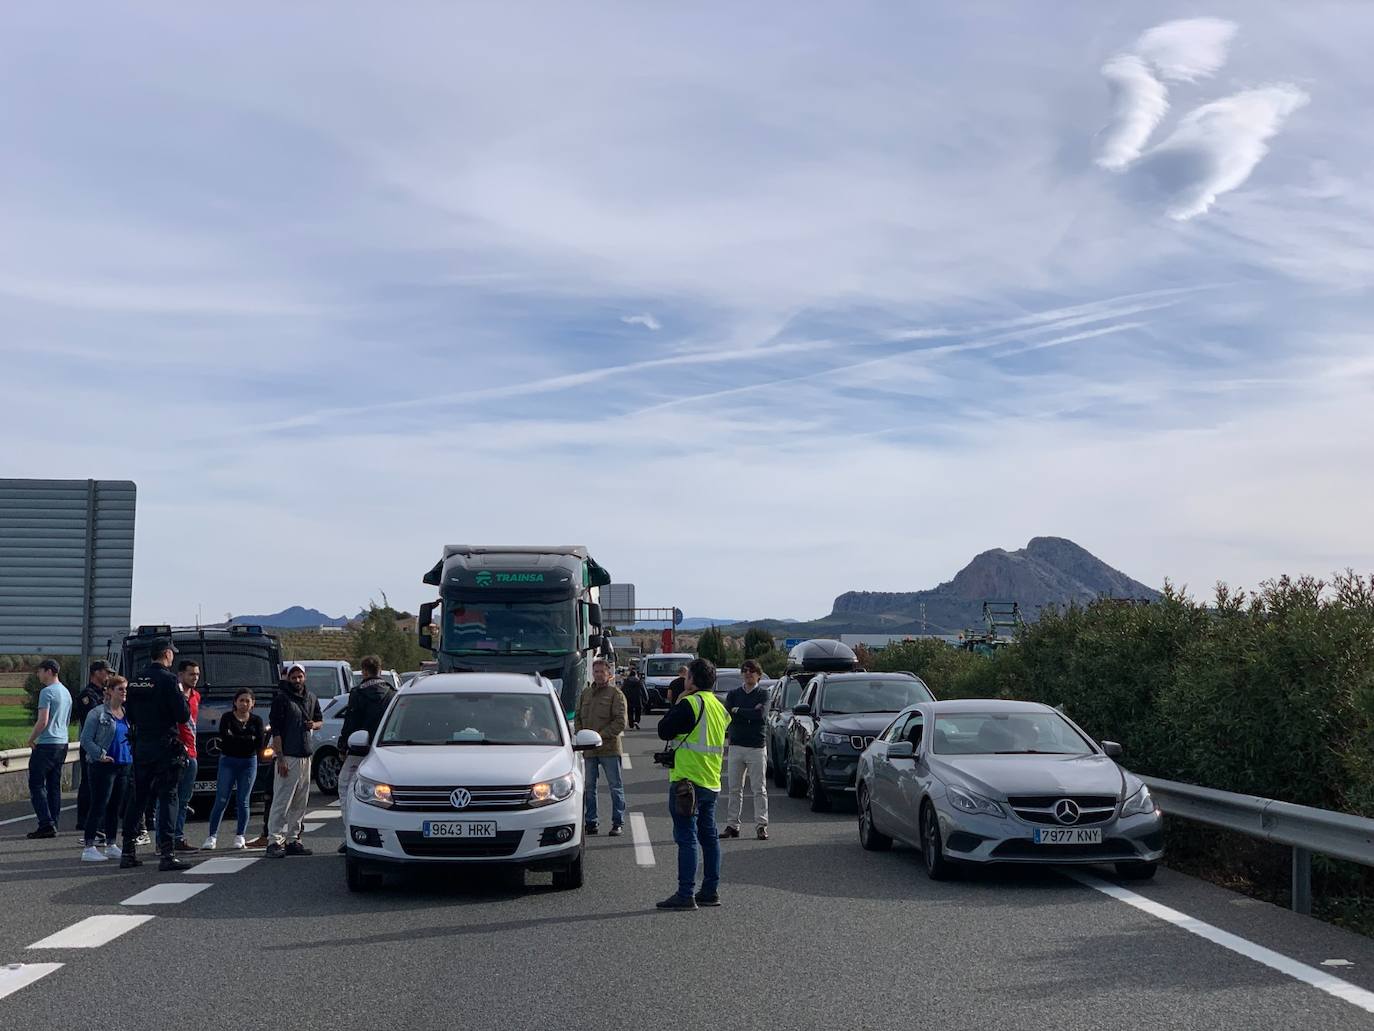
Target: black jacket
(88, 699)
(633, 688)
(366, 703)
(154, 708)
(291, 711)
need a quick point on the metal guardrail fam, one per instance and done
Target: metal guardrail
(1304, 829)
(16, 760)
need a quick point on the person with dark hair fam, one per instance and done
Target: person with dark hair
(366, 704)
(105, 745)
(635, 698)
(188, 676)
(155, 708)
(602, 709)
(294, 717)
(91, 697)
(676, 686)
(241, 739)
(48, 748)
(697, 724)
(746, 761)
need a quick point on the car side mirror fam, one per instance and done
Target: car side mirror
(901, 750)
(801, 710)
(586, 739)
(1111, 749)
(358, 743)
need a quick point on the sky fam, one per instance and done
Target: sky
(761, 303)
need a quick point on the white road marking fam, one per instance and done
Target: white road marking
(14, 976)
(21, 819)
(322, 814)
(334, 804)
(92, 932)
(625, 762)
(1318, 979)
(1337, 963)
(166, 894)
(224, 864)
(307, 828)
(644, 848)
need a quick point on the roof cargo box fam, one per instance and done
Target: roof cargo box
(821, 656)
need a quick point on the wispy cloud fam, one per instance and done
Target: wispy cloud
(646, 320)
(1139, 103)
(1188, 49)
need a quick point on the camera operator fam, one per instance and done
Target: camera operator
(154, 709)
(696, 723)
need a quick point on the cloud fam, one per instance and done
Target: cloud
(646, 320)
(1188, 49)
(1140, 102)
(1216, 146)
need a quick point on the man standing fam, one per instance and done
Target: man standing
(366, 704)
(602, 709)
(154, 709)
(633, 688)
(48, 744)
(91, 696)
(188, 677)
(295, 714)
(745, 705)
(697, 723)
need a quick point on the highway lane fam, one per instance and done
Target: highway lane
(814, 933)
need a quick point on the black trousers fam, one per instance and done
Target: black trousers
(155, 781)
(636, 710)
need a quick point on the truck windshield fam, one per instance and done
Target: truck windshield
(486, 627)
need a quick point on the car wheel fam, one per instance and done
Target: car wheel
(358, 879)
(327, 765)
(820, 801)
(1136, 871)
(569, 877)
(870, 837)
(938, 868)
(796, 786)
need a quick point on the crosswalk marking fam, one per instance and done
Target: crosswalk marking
(224, 864)
(166, 894)
(625, 762)
(14, 976)
(322, 814)
(307, 828)
(92, 932)
(22, 819)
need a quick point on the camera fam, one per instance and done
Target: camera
(664, 758)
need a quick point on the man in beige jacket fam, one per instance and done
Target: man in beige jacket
(602, 708)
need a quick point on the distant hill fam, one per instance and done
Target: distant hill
(295, 616)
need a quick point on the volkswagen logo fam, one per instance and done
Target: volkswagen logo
(1066, 811)
(212, 746)
(462, 797)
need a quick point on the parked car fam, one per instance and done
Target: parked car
(838, 716)
(1004, 782)
(659, 671)
(727, 679)
(325, 678)
(325, 761)
(783, 696)
(468, 768)
(387, 674)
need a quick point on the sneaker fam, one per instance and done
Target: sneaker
(113, 852)
(729, 832)
(143, 839)
(210, 843)
(297, 849)
(43, 832)
(616, 830)
(100, 841)
(170, 862)
(91, 854)
(261, 841)
(275, 851)
(676, 901)
(706, 901)
(185, 846)
(591, 829)
(763, 834)
(239, 842)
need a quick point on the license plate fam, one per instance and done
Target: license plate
(1068, 835)
(459, 829)
(202, 787)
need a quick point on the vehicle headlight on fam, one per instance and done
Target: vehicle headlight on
(267, 753)
(549, 791)
(371, 792)
(827, 738)
(968, 802)
(1139, 804)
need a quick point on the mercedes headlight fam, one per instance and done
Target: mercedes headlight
(827, 738)
(372, 792)
(551, 791)
(1139, 804)
(968, 802)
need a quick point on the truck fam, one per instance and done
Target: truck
(516, 609)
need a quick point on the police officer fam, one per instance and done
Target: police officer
(154, 708)
(696, 723)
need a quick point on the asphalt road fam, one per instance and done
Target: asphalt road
(814, 933)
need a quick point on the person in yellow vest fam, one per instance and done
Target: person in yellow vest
(695, 726)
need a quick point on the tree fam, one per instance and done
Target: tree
(711, 645)
(757, 642)
(773, 662)
(380, 634)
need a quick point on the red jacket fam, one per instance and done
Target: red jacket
(187, 731)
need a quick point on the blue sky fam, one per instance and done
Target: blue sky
(761, 304)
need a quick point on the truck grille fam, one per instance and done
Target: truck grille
(484, 799)
(413, 843)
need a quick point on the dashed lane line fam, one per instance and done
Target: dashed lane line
(625, 762)
(323, 814)
(1319, 979)
(166, 894)
(14, 976)
(644, 848)
(223, 864)
(92, 932)
(31, 816)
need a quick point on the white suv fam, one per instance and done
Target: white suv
(468, 768)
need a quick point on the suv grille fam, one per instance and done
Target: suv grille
(860, 742)
(504, 844)
(484, 799)
(1040, 808)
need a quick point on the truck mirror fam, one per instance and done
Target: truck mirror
(425, 625)
(594, 614)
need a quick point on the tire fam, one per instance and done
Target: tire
(358, 879)
(570, 877)
(796, 786)
(938, 868)
(820, 801)
(326, 770)
(1136, 871)
(870, 837)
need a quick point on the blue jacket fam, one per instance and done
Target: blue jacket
(97, 734)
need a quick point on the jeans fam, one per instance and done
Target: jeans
(185, 785)
(688, 832)
(154, 781)
(748, 762)
(611, 764)
(108, 784)
(45, 782)
(290, 800)
(236, 776)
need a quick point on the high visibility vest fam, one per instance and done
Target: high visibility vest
(699, 753)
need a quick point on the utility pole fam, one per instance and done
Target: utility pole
(923, 617)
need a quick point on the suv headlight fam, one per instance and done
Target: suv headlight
(1139, 804)
(968, 802)
(827, 738)
(551, 791)
(372, 792)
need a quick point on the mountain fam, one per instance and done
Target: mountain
(295, 616)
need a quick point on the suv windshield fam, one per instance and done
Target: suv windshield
(1000, 733)
(477, 627)
(664, 667)
(472, 718)
(841, 697)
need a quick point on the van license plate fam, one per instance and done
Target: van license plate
(459, 829)
(1068, 835)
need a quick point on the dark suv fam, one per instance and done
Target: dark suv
(836, 718)
(229, 658)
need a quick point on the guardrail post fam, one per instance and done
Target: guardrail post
(1302, 881)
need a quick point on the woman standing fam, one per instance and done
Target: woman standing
(241, 739)
(109, 760)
